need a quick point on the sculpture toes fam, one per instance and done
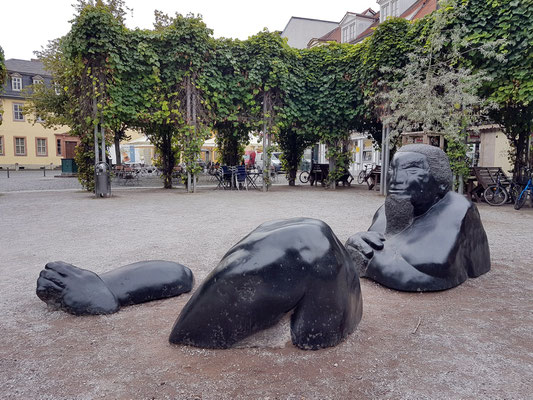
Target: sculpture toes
(52, 276)
(49, 292)
(60, 267)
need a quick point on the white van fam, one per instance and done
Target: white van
(274, 161)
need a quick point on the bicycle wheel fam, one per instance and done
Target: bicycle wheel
(361, 177)
(304, 176)
(520, 200)
(495, 195)
(514, 192)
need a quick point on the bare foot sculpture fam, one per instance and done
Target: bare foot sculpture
(82, 292)
(294, 265)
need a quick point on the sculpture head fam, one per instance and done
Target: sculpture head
(421, 173)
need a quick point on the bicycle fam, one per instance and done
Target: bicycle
(497, 194)
(304, 176)
(364, 174)
(521, 199)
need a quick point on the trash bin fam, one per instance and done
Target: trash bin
(102, 181)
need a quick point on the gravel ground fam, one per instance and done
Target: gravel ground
(474, 341)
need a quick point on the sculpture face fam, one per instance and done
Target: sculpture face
(410, 176)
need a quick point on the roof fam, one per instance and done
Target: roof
(427, 8)
(368, 31)
(33, 67)
(369, 14)
(420, 9)
(308, 19)
(332, 36)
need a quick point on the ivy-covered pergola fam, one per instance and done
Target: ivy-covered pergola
(177, 84)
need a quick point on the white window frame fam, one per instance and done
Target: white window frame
(394, 8)
(17, 109)
(351, 29)
(37, 81)
(16, 83)
(21, 146)
(384, 11)
(39, 153)
(344, 35)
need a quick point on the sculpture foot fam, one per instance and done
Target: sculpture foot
(75, 290)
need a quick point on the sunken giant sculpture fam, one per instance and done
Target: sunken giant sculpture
(425, 237)
(82, 292)
(295, 265)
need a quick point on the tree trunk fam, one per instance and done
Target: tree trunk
(117, 150)
(168, 161)
(292, 175)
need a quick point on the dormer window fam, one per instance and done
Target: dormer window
(389, 9)
(37, 80)
(16, 83)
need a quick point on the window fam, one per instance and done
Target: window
(16, 83)
(17, 112)
(344, 35)
(58, 147)
(41, 148)
(352, 31)
(384, 12)
(38, 118)
(394, 8)
(20, 146)
(37, 81)
(1, 145)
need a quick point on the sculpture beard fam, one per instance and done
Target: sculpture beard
(399, 212)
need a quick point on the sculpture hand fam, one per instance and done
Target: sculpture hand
(365, 243)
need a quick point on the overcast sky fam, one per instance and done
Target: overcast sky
(28, 25)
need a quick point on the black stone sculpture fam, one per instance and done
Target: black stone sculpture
(297, 264)
(425, 237)
(82, 292)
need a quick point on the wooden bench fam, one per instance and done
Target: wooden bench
(374, 178)
(483, 177)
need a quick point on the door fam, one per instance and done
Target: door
(70, 149)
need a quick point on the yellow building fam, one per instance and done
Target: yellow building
(23, 144)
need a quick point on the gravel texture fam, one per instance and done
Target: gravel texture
(474, 341)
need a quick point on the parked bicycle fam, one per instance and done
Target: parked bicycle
(304, 176)
(497, 194)
(527, 190)
(364, 174)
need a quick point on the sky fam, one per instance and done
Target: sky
(28, 25)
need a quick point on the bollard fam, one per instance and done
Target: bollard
(44, 171)
(8, 172)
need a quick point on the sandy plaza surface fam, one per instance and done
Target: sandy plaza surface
(473, 341)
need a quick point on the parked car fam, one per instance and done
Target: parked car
(274, 161)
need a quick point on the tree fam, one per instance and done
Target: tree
(297, 130)
(268, 65)
(507, 22)
(3, 76)
(229, 98)
(436, 94)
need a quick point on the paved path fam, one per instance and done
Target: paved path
(474, 341)
(51, 180)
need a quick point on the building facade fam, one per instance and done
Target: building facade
(24, 144)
